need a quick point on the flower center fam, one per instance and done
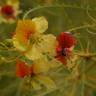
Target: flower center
(7, 10)
(63, 52)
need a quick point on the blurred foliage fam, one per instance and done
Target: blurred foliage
(77, 16)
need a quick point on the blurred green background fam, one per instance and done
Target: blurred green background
(76, 16)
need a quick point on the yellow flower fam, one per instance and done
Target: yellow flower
(30, 40)
(9, 11)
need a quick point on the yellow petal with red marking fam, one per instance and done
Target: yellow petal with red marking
(18, 45)
(24, 31)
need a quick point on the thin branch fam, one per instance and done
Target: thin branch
(81, 45)
(84, 54)
(79, 27)
(90, 84)
(2, 44)
(93, 58)
(88, 46)
(92, 18)
(90, 32)
(53, 6)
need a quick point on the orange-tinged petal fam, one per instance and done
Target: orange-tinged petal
(24, 31)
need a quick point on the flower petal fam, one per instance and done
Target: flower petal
(22, 69)
(35, 85)
(18, 45)
(41, 24)
(48, 44)
(41, 65)
(24, 31)
(66, 40)
(34, 53)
